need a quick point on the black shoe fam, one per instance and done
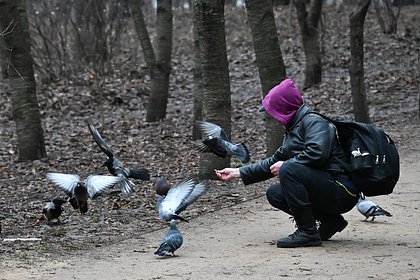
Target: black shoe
(331, 226)
(300, 238)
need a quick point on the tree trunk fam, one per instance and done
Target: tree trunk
(26, 113)
(358, 92)
(309, 22)
(161, 69)
(197, 85)
(269, 60)
(3, 54)
(141, 30)
(215, 75)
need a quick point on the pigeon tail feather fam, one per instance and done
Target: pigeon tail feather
(242, 153)
(141, 173)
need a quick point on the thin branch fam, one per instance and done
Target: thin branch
(6, 31)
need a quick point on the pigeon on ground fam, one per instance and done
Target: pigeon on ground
(115, 166)
(216, 142)
(369, 209)
(172, 240)
(79, 191)
(161, 184)
(52, 210)
(178, 198)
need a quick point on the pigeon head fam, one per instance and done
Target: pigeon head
(172, 224)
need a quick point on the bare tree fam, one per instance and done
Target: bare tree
(356, 68)
(141, 30)
(309, 16)
(269, 60)
(20, 74)
(74, 36)
(215, 74)
(198, 82)
(387, 19)
(161, 69)
(158, 58)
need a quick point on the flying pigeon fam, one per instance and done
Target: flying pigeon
(79, 191)
(115, 166)
(369, 209)
(52, 210)
(178, 198)
(161, 185)
(216, 142)
(172, 240)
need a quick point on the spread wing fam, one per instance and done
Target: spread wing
(65, 182)
(199, 190)
(100, 141)
(212, 130)
(97, 184)
(175, 197)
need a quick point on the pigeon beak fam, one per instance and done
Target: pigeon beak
(261, 109)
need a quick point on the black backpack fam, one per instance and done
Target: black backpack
(374, 159)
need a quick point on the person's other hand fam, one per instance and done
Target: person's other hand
(228, 174)
(275, 168)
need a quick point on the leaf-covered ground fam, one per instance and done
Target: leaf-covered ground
(116, 105)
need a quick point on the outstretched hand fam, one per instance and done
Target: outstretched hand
(275, 168)
(228, 174)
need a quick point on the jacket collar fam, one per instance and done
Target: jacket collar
(301, 112)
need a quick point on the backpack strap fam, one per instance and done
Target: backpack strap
(345, 165)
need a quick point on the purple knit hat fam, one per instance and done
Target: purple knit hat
(283, 101)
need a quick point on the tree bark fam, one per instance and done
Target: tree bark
(26, 113)
(270, 63)
(161, 69)
(309, 22)
(141, 30)
(197, 84)
(215, 75)
(356, 68)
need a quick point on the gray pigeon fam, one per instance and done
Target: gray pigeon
(369, 209)
(52, 210)
(216, 141)
(179, 197)
(115, 166)
(79, 191)
(161, 184)
(172, 240)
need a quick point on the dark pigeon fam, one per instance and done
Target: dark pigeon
(216, 141)
(80, 191)
(52, 210)
(172, 240)
(178, 198)
(115, 166)
(161, 185)
(369, 209)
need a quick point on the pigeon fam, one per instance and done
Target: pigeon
(115, 166)
(52, 210)
(172, 240)
(161, 185)
(79, 191)
(216, 142)
(178, 198)
(369, 209)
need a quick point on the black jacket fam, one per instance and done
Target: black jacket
(310, 140)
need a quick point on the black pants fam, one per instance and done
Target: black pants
(302, 187)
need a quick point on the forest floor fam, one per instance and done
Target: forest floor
(232, 227)
(239, 243)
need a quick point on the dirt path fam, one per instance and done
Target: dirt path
(237, 243)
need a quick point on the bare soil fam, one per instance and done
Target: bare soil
(239, 243)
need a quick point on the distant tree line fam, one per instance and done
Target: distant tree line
(71, 36)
